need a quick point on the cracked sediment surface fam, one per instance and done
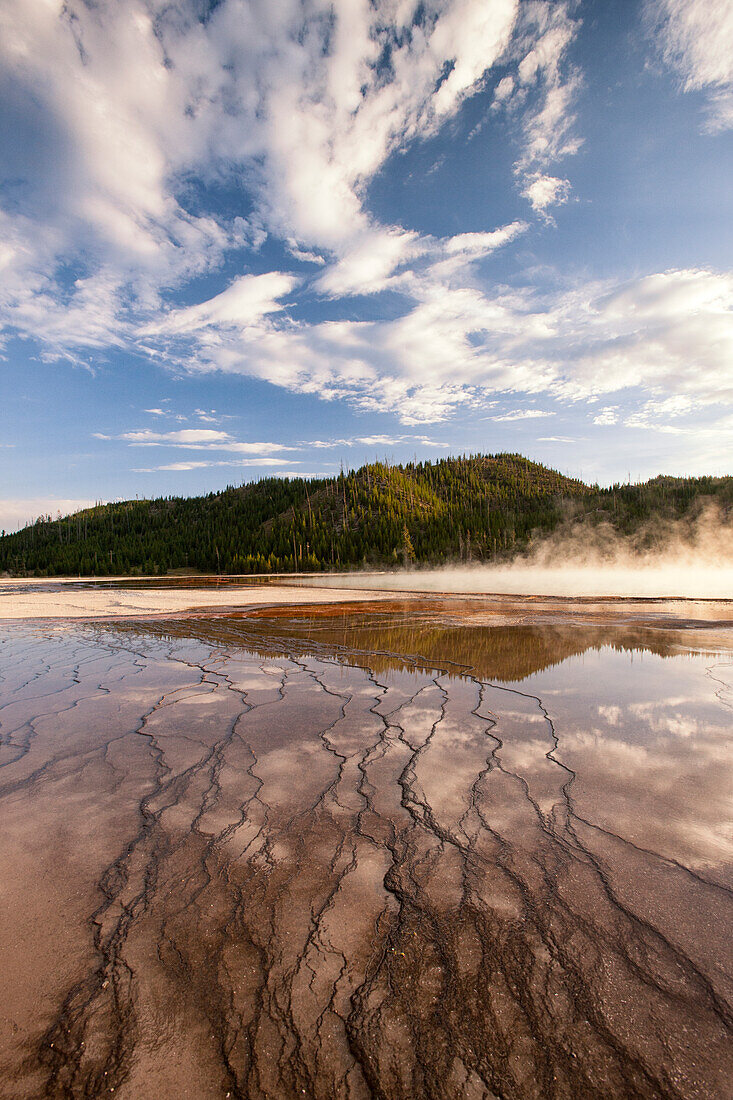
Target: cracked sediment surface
(332, 856)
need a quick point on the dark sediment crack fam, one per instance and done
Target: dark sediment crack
(313, 877)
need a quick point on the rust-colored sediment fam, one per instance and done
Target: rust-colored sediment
(239, 863)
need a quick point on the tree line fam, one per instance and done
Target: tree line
(475, 508)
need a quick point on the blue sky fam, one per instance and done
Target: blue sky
(278, 236)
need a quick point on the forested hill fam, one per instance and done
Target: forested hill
(480, 508)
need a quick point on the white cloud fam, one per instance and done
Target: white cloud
(696, 40)
(374, 441)
(245, 301)
(186, 435)
(136, 101)
(548, 129)
(198, 439)
(670, 332)
(542, 92)
(378, 259)
(504, 89)
(180, 467)
(476, 245)
(141, 99)
(316, 106)
(303, 255)
(369, 261)
(395, 441)
(545, 191)
(256, 448)
(607, 415)
(523, 414)
(656, 413)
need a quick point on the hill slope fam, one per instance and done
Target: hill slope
(484, 507)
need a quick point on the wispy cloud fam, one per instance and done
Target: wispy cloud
(455, 346)
(696, 39)
(656, 414)
(110, 244)
(523, 414)
(543, 75)
(298, 102)
(304, 255)
(544, 191)
(394, 258)
(181, 467)
(244, 302)
(375, 441)
(136, 99)
(147, 438)
(198, 439)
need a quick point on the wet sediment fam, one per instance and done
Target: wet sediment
(237, 866)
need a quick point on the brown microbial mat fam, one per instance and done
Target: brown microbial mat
(419, 850)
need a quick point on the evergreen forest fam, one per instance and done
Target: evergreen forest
(478, 508)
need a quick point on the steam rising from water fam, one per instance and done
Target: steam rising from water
(644, 580)
(693, 560)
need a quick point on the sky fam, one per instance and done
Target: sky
(249, 238)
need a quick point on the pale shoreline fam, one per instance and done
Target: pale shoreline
(71, 602)
(70, 599)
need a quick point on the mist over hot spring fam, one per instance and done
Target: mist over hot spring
(691, 559)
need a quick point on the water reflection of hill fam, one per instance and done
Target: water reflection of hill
(223, 872)
(501, 652)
